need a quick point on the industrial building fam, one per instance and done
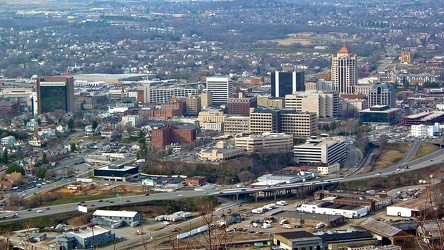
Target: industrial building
(297, 240)
(84, 238)
(370, 200)
(328, 207)
(117, 172)
(280, 178)
(388, 234)
(310, 219)
(116, 219)
(408, 208)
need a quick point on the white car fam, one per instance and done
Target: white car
(180, 195)
(287, 226)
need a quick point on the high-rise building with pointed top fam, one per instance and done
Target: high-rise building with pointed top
(343, 71)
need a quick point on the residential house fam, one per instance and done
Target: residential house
(61, 129)
(8, 141)
(32, 125)
(36, 141)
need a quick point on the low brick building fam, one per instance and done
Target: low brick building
(182, 134)
(196, 180)
(372, 201)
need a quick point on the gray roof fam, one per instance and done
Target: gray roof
(299, 235)
(380, 228)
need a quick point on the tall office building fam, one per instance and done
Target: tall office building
(285, 83)
(55, 93)
(343, 71)
(193, 105)
(221, 88)
(323, 104)
(240, 105)
(206, 99)
(287, 121)
(382, 94)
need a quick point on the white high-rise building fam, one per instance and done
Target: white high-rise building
(343, 71)
(221, 88)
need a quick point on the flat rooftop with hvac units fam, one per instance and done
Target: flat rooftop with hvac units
(114, 172)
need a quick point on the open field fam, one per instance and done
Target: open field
(307, 38)
(393, 153)
(425, 149)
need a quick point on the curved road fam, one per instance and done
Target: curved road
(426, 161)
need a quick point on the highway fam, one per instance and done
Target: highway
(426, 161)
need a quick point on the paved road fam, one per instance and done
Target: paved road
(426, 161)
(423, 162)
(412, 152)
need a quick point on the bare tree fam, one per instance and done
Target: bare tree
(430, 230)
(214, 238)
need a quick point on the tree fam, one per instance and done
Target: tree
(245, 176)
(71, 124)
(72, 147)
(16, 169)
(94, 124)
(44, 159)
(5, 156)
(141, 137)
(40, 172)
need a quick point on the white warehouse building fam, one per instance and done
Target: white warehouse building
(327, 207)
(422, 131)
(324, 150)
(408, 208)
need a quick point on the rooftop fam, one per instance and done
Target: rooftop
(308, 216)
(379, 227)
(121, 168)
(344, 50)
(114, 213)
(89, 232)
(414, 204)
(299, 235)
(345, 236)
